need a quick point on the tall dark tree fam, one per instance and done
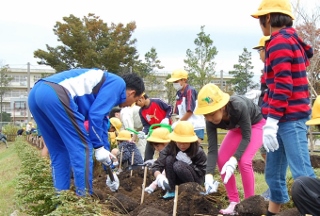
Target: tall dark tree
(90, 43)
(242, 74)
(200, 62)
(4, 85)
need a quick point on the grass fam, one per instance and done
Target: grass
(9, 169)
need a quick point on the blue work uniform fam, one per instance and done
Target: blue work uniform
(60, 104)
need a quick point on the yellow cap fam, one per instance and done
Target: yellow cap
(274, 6)
(183, 132)
(124, 135)
(210, 99)
(262, 42)
(112, 136)
(116, 123)
(177, 75)
(159, 135)
(315, 115)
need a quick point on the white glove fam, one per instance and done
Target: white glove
(160, 180)
(114, 186)
(270, 130)
(228, 169)
(253, 94)
(115, 163)
(141, 135)
(149, 163)
(103, 155)
(181, 156)
(165, 121)
(210, 184)
(149, 189)
(174, 124)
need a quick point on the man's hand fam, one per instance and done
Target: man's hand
(229, 168)
(165, 121)
(181, 156)
(103, 155)
(270, 130)
(161, 180)
(210, 184)
(114, 186)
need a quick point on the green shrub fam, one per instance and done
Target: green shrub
(35, 193)
(11, 131)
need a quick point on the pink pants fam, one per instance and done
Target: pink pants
(228, 148)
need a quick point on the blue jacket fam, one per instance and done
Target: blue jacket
(95, 92)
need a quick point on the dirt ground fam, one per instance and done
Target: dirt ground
(127, 200)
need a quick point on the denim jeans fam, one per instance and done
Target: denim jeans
(293, 152)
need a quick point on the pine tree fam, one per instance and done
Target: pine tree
(242, 74)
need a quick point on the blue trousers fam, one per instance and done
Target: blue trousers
(63, 131)
(293, 152)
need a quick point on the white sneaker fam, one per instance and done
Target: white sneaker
(230, 209)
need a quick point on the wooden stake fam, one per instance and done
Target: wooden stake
(175, 201)
(132, 158)
(144, 183)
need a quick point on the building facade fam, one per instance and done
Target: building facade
(15, 99)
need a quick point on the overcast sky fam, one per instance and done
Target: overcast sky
(170, 26)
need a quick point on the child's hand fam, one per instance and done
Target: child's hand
(149, 163)
(181, 156)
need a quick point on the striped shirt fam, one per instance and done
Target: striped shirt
(287, 58)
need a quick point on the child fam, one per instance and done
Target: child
(306, 190)
(182, 159)
(114, 128)
(243, 120)
(153, 111)
(20, 131)
(3, 138)
(286, 105)
(263, 88)
(127, 147)
(186, 101)
(158, 139)
(130, 118)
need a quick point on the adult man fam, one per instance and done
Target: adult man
(62, 102)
